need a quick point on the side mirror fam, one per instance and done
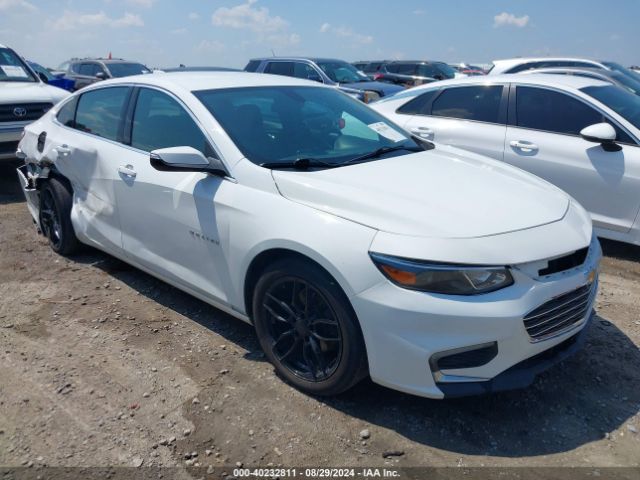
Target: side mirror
(185, 159)
(601, 133)
(101, 75)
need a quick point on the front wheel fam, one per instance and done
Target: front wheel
(307, 328)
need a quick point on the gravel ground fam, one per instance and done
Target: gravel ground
(103, 365)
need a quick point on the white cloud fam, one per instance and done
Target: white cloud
(17, 5)
(419, 11)
(72, 20)
(346, 32)
(247, 16)
(283, 40)
(211, 46)
(193, 16)
(141, 3)
(509, 19)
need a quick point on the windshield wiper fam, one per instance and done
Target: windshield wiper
(381, 151)
(300, 164)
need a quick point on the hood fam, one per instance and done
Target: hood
(30, 92)
(381, 87)
(442, 193)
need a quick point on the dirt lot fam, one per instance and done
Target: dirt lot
(101, 365)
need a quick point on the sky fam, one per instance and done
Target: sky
(165, 33)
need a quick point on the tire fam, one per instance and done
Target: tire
(315, 342)
(55, 217)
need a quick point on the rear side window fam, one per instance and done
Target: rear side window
(66, 114)
(405, 68)
(479, 103)
(252, 66)
(426, 70)
(542, 109)
(89, 69)
(421, 105)
(101, 111)
(305, 71)
(280, 68)
(160, 121)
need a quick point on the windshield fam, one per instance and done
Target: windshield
(621, 101)
(342, 72)
(446, 70)
(41, 70)
(125, 69)
(283, 124)
(13, 69)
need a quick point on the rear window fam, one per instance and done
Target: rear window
(252, 66)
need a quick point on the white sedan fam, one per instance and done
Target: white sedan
(352, 247)
(581, 134)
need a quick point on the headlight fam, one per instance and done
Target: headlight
(447, 279)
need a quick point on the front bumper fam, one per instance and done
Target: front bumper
(10, 134)
(405, 330)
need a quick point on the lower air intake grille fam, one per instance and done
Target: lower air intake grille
(560, 314)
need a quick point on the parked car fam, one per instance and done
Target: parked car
(184, 68)
(409, 73)
(578, 133)
(467, 69)
(86, 71)
(352, 247)
(617, 78)
(517, 65)
(635, 68)
(24, 97)
(370, 67)
(332, 72)
(47, 77)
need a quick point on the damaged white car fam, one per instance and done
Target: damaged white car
(353, 248)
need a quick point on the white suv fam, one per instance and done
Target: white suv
(352, 247)
(23, 99)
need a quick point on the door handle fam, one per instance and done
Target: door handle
(63, 150)
(423, 132)
(127, 170)
(526, 147)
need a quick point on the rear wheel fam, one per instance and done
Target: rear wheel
(307, 328)
(55, 217)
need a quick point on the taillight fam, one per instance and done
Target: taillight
(377, 76)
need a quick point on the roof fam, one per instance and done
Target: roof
(549, 80)
(518, 61)
(310, 59)
(193, 81)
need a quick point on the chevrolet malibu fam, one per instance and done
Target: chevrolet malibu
(353, 248)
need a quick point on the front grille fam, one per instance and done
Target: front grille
(20, 112)
(565, 263)
(560, 314)
(8, 147)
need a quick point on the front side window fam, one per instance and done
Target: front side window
(283, 124)
(89, 69)
(541, 109)
(445, 70)
(159, 121)
(305, 71)
(426, 70)
(100, 111)
(405, 68)
(13, 69)
(479, 103)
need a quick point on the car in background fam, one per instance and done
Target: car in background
(337, 73)
(370, 67)
(410, 73)
(467, 69)
(86, 71)
(24, 97)
(353, 249)
(517, 65)
(581, 134)
(184, 68)
(47, 77)
(625, 81)
(635, 68)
